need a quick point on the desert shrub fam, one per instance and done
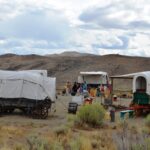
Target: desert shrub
(56, 146)
(92, 115)
(70, 121)
(144, 145)
(147, 121)
(94, 144)
(12, 130)
(19, 147)
(146, 131)
(80, 143)
(75, 144)
(102, 140)
(137, 147)
(133, 129)
(70, 118)
(38, 143)
(61, 130)
(86, 144)
(123, 124)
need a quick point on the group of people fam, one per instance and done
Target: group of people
(75, 88)
(103, 91)
(80, 88)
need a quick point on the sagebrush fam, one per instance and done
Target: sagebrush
(147, 121)
(92, 115)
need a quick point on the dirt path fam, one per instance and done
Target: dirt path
(54, 119)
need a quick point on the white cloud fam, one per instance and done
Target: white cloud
(99, 26)
(119, 14)
(139, 41)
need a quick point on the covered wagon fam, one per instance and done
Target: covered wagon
(94, 78)
(31, 91)
(141, 88)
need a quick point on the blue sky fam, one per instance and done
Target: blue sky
(98, 26)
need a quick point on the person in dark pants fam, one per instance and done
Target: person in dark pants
(74, 89)
(112, 114)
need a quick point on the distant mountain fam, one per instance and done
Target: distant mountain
(71, 54)
(8, 55)
(66, 66)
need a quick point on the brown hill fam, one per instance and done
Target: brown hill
(71, 54)
(66, 67)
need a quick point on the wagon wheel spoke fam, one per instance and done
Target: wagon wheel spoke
(44, 112)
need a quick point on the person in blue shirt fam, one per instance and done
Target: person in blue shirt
(84, 86)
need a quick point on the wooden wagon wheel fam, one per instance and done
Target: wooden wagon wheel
(10, 110)
(44, 112)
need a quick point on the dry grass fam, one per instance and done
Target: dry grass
(12, 130)
(70, 138)
(73, 139)
(131, 135)
(60, 133)
(12, 135)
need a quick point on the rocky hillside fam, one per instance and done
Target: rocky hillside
(67, 66)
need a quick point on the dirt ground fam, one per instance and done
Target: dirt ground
(54, 119)
(16, 128)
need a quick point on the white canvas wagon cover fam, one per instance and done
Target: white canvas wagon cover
(145, 75)
(93, 77)
(26, 84)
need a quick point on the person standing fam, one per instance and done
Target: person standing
(68, 88)
(112, 114)
(74, 89)
(84, 86)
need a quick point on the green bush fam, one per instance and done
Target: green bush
(92, 115)
(147, 121)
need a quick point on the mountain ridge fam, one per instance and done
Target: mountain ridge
(68, 67)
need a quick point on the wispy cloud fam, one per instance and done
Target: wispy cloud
(99, 26)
